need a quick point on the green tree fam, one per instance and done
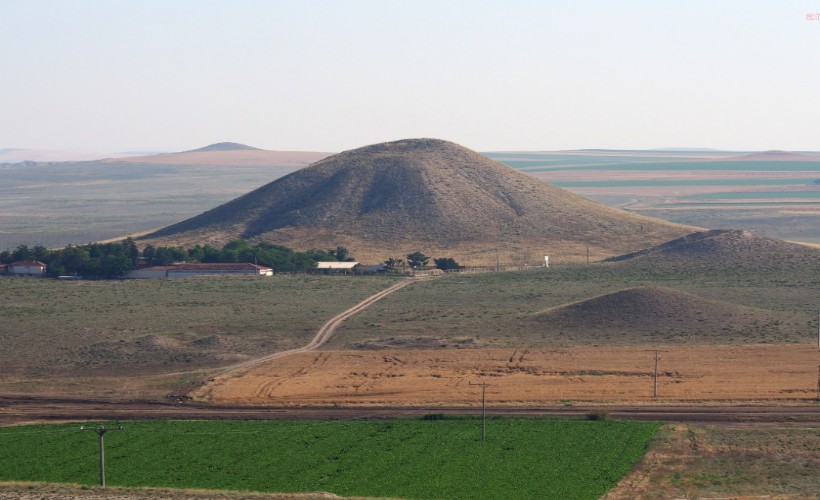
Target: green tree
(392, 263)
(446, 263)
(342, 254)
(417, 260)
(39, 253)
(149, 253)
(22, 252)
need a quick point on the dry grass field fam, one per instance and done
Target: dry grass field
(139, 338)
(527, 376)
(776, 462)
(506, 309)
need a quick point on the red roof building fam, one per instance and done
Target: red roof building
(26, 268)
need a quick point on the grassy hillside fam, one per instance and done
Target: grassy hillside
(422, 194)
(658, 312)
(533, 458)
(497, 309)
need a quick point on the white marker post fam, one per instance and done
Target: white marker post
(546, 261)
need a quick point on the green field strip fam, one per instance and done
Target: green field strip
(684, 182)
(750, 204)
(681, 166)
(755, 195)
(521, 458)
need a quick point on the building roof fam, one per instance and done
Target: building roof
(210, 266)
(27, 263)
(336, 265)
(375, 268)
(220, 266)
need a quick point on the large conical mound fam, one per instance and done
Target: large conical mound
(658, 314)
(725, 249)
(428, 195)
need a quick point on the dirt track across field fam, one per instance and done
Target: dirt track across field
(322, 336)
(516, 377)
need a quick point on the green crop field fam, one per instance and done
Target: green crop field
(682, 182)
(533, 166)
(522, 458)
(753, 195)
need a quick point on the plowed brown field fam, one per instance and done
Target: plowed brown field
(426, 376)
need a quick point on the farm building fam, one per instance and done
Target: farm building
(342, 267)
(209, 269)
(25, 268)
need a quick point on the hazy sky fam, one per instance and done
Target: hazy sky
(170, 75)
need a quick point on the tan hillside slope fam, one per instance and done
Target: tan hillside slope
(423, 194)
(660, 314)
(725, 249)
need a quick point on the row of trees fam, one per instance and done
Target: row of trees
(417, 260)
(116, 259)
(111, 260)
(94, 259)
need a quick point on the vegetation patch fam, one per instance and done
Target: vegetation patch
(425, 458)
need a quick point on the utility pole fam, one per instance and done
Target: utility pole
(101, 432)
(483, 409)
(818, 382)
(655, 376)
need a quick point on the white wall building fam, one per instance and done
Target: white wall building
(208, 269)
(26, 268)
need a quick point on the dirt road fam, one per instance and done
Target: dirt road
(322, 336)
(21, 410)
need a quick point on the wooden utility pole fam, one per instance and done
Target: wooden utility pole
(483, 409)
(655, 376)
(101, 432)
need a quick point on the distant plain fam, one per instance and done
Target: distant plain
(55, 204)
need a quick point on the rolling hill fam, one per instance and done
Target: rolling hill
(226, 154)
(657, 313)
(725, 249)
(423, 194)
(224, 146)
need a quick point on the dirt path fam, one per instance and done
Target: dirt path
(18, 410)
(322, 336)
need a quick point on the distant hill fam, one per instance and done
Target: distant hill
(658, 313)
(228, 154)
(224, 146)
(775, 156)
(31, 156)
(725, 249)
(423, 194)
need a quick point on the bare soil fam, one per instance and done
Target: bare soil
(525, 376)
